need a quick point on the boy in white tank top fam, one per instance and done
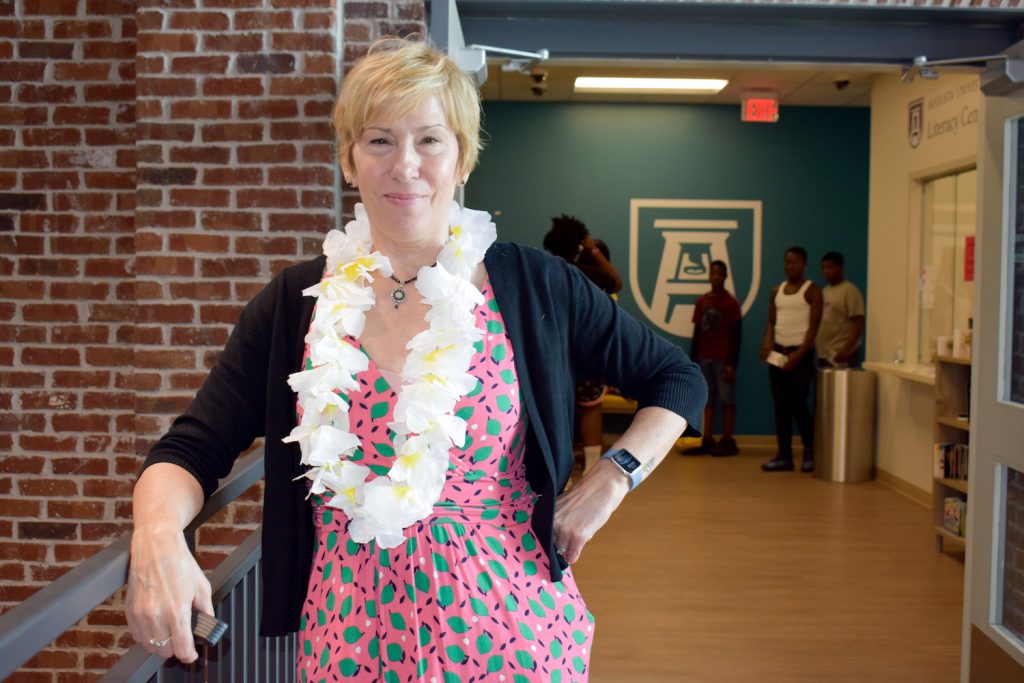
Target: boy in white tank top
(794, 315)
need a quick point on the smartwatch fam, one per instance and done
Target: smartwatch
(627, 464)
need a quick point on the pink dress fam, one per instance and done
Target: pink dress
(468, 598)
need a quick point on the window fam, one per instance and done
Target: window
(946, 283)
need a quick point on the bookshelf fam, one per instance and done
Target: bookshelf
(952, 431)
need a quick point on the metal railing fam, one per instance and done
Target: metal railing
(241, 654)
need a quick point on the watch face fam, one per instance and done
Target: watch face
(626, 461)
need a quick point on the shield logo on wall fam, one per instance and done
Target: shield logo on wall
(915, 121)
(672, 243)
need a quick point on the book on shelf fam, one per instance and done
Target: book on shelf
(954, 517)
(951, 460)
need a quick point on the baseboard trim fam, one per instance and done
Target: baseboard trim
(918, 495)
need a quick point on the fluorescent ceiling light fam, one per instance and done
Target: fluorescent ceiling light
(706, 86)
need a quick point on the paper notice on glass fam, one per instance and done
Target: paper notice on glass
(927, 286)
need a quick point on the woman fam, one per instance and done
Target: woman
(411, 529)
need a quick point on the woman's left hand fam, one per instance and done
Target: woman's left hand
(585, 508)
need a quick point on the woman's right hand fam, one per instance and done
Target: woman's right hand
(164, 584)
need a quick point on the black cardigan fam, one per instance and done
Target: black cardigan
(560, 326)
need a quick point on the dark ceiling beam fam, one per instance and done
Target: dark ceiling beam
(613, 29)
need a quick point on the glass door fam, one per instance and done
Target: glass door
(993, 639)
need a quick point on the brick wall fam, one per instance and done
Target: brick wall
(1013, 554)
(159, 162)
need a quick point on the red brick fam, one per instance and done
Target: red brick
(22, 289)
(246, 21)
(109, 137)
(23, 116)
(107, 400)
(200, 198)
(219, 314)
(81, 201)
(282, 85)
(237, 220)
(81, 379)
(32, 49)
(199, 21)
(104, 531)
(49, 400)
(217, 244)
(145, 358)
(25, 71)
(266, 154)
(81, 71)
(20, 507)
(233, 132)
(23, 334)
(81, 116)
(12, 571)
(305, 41)
(51, 7)
(228, 267)
(320, 154)
(317, 20)
(312, 199)
(53, 659)
(104, 180)
(107, 356)
(201, 155)
(233, 176)
(64, 30)
(12, 422)
(233, 42)
(107, 488)
(201, 109)
(50, 313)
(278, 199)
(30, 29)
(57, 531)
(228, 87)
(87, 422)
(165, 313)
(80, 245)
(51, 223)
(23, 158)
(25, 552)
(21, 380)
(164, 265)
(22, 465)
(306, 175)
(80, 638)
(43, 442)
(80, 334)
(138, 334)
(162, 404)
(164, 219)
(117, 93)
(112, 50)
(49, 180)
(107, 267)
(265, 245)
(205, 291)
(304, 131)
(46, 488)
(319, 64)
(75, 553)
(205, 64)
(167, 42)
(181, 132)
(269, 109)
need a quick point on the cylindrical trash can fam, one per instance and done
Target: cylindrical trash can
(844, 425)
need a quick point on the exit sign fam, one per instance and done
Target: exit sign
(760, 107)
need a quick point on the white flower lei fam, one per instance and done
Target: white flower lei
(434, 378)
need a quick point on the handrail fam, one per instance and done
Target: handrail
(35, 623)
(139, 665)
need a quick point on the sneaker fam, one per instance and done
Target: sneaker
(727, 446)
(778, 464)
(706, 446)
(807, 465)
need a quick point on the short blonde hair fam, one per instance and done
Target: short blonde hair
(394, 78)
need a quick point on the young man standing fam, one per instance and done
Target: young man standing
(717, 322)
(794, 314)
(842, 318)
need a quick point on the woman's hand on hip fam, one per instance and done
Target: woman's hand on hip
(582, 510)
(164, 584)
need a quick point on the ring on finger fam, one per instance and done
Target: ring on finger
(561, 551)
(159, 643)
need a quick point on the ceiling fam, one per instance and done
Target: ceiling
(796, 85)
(798, 50)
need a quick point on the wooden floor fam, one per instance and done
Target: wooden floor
(713, 571)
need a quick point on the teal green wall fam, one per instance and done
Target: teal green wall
(810, 171)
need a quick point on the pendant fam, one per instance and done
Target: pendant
(398, 296)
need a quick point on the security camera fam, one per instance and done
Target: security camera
(841, 83)
(540, 82)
